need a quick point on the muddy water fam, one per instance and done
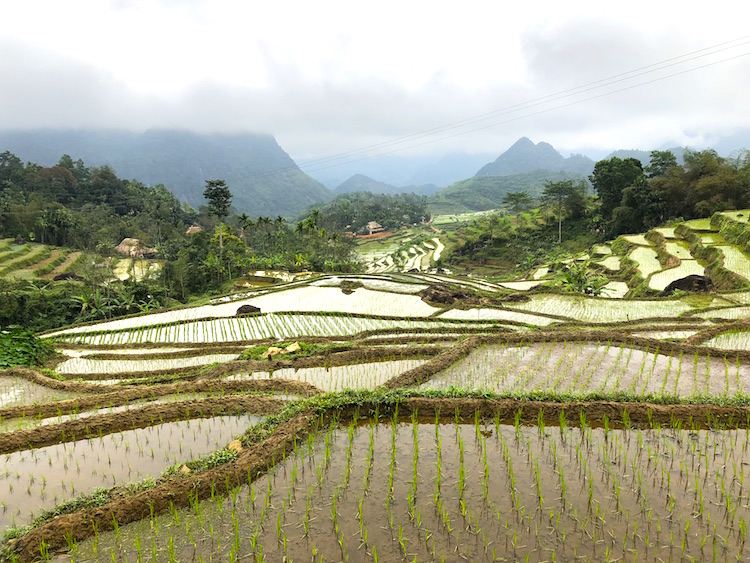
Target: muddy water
(33, 480)
(19, 391)
(10, 424)
(588, 368)
(459, 492)
(338, 378)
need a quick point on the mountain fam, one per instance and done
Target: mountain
(362, 183)
(525, 156)
(525, 166)
(487, 192)
(263, 179)
(400, 170)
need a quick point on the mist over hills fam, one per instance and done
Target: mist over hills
(400, 170)
(524, 156)
(263, 179)
(362, 183)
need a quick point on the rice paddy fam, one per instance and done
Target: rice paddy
(440, 490)
(514, 423)
(646, 260)
(660, 280)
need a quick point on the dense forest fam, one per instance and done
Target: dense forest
(352, 211)
(92, 210)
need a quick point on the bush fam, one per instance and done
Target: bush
(20, 347)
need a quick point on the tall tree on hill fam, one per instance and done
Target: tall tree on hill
(219, 200)
(517, 201)
(661, 162)
(564, 195)
(611, 177)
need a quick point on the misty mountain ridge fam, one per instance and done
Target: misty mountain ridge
(362, 183)
(263, 179)
(524, 156)
(401, 170)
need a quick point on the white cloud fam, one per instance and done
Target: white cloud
(327, 77)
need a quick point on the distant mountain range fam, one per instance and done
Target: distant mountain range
(362, 183)
(524, 156)
(525, 166)
(263, 179)
(401, 170)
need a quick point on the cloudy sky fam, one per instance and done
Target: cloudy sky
(328, 77)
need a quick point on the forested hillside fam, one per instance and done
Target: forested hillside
(264, 179)
(91, 210)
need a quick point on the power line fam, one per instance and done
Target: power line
(349, 157)
(539, 112)
(601, 83)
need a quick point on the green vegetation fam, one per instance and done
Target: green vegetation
(352, 211)
(488, 192)
(19, 347)
(90, 209)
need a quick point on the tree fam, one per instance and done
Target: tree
(517, 201)
(642, 208)
(611, 177)
(219, 199)
(661, 162)
(563, 194)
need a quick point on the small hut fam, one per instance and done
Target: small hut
(134, 248)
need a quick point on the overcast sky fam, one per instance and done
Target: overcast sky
(328, 77)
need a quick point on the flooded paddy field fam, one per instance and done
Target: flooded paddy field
(431, 490)
(603, 368)
(36, 479)
(533, 426)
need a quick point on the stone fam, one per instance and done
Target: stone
(247, 310)
(694, 283)
(235, 446)
(185, 470)
(294, 347)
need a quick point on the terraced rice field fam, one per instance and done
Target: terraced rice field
(646, 259)
(602, 369)
(513, 426)
(601, 310)
(637, 239)
(479, 492)
(736, 261)
(660, 280)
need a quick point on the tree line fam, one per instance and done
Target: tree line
(91, 209)
(631, 198)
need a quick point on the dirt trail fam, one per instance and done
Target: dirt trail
(52, 257)
(72, 257)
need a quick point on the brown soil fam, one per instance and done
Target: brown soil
(148, 415)
(72, 257)
(54, 255)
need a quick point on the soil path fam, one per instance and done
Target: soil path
(62, 268)
(56, 252)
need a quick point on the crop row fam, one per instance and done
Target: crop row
(409, 490)
(258, 327)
